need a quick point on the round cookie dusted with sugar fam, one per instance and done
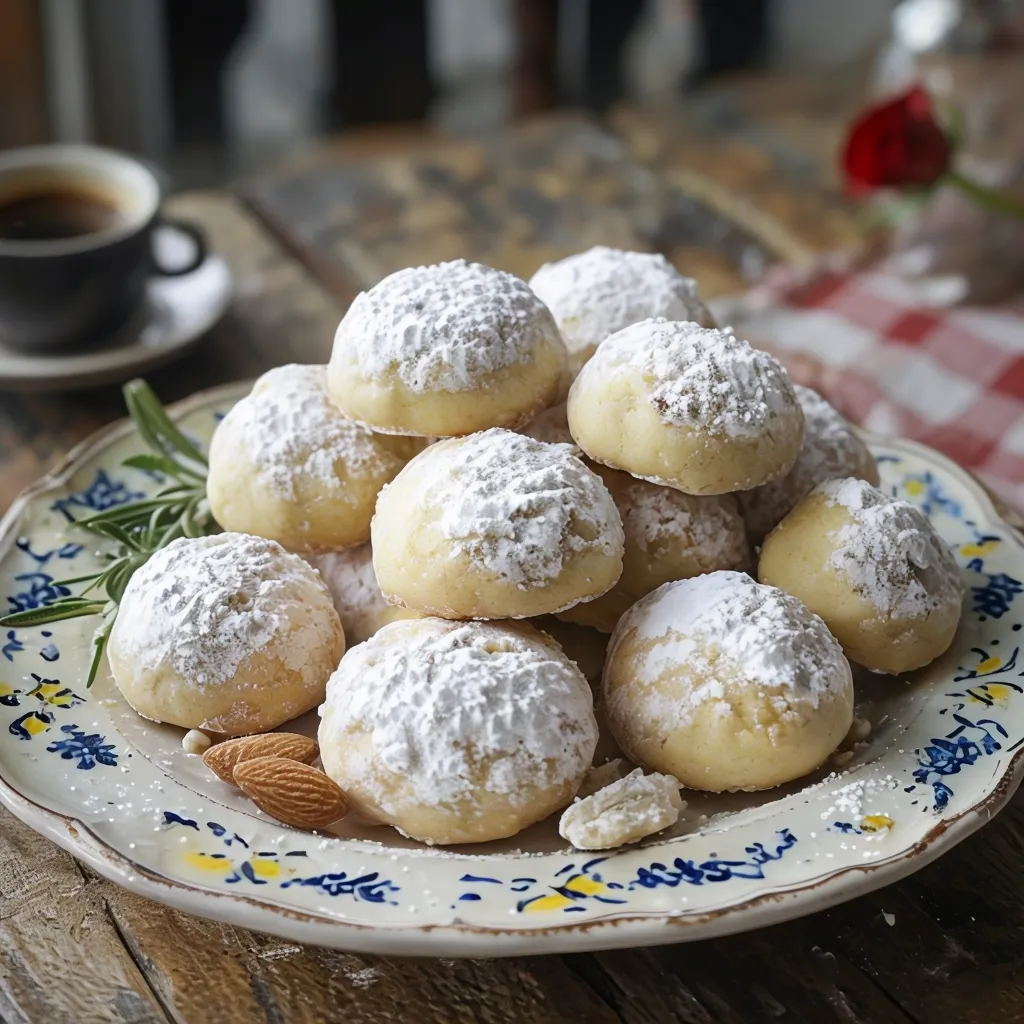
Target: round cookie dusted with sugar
(831, 451)
(356, 594)
(287, 464)
(874, 568)
(596, 293)
(230, 634)
(726, 684)
(457, 732)
(669, 536)
(496, 525)
(446, 350)
(687, 407)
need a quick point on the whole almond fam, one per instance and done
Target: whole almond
(221, 758)
(291, 791)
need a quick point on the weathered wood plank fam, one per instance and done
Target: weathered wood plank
(541, 191)
(941, 945)
(762, 151)
(61, 958)
(953, 951)
(761, 976)
(209, 972)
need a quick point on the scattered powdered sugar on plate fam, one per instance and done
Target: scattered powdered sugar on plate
(456, 708)
(598, 292)
(520, 508)
(731, 622)
(445, 327)
(293, 431)
(830, 450)
(850, 800)
(890, 552)
(203, 605)
(700, 377)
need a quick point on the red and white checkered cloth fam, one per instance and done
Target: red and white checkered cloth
(952, 378)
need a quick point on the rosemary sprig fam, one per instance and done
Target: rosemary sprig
(136, 528)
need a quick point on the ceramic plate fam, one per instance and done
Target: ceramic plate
(174, 316)
(118, 792)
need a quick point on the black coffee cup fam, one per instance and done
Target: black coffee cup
(77, 228)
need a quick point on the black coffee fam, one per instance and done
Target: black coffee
(55, 214)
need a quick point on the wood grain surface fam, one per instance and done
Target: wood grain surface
(541, 191)
(945, 945)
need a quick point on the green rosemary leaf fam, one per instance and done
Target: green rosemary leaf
(142, 423)
(83, 579)
(156, 521)
(150, 463)
(117, 581)
(174, 531)
(117, 533)
(99, 642)
(145, 408)
(56, 612)
(128, 512)
(190, 525)
(136, 528)
(178, 491)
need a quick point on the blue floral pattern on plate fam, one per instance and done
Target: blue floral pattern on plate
(158, 814)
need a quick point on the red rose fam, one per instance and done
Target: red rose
(896, 144)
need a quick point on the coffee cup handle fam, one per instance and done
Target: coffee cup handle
(191, 231)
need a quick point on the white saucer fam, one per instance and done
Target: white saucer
(175, 314)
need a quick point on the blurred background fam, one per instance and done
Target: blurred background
(214, 88)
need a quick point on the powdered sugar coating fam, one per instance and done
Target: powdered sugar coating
(701, 378)
(890, 552)
(726, 623)
(293, 431)
(598, 292)
(831, 450)
(445, 327)
(205, 605)
(459, 710)
(350, 579)
(520, 508)
(656, 517)
(357, 596)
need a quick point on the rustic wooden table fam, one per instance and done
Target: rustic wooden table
(944, 945)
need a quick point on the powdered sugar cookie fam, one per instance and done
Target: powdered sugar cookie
(873, 568)
(599, 292)
(457, 732)
(687, 407)
(669, 535)
(831, 451)
(285, 463)
(496, 525)
(726, 684)
(356, 594)
(230, 634)
(446, 350)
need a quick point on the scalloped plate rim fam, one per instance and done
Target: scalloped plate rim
(773, 906)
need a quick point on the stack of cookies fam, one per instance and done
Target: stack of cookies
(588, 445)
